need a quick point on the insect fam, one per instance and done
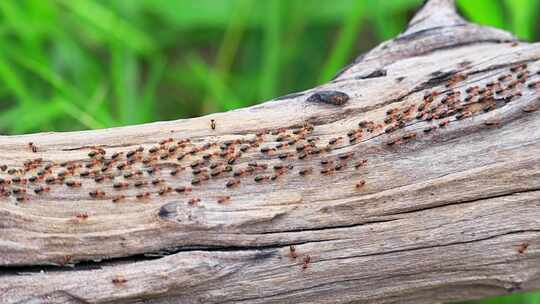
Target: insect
(157, 181)
(307, 260)
(346, 155)
(182, 189)
(260, 178)
(327, 171)
(232, 183)
(82, 216)
(306, 171)
(360, 184)
(334, 141)
(223, 199)
(164, 191)
(120, 185)
(194, 201)
(360, 163)
(139, 184)
(17, 191)
(408, 136)
(32, 147)
(118, 280)
(141, 196)
(292, 250)
(73, 184)
(21, 198)
(429, 129)
(116, 155)
(118, 198)
(523, 247)
(390, 129)
(40, 190)
(96, 193)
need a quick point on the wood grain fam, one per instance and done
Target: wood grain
(443, 208)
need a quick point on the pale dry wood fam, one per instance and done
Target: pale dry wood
(443, 217)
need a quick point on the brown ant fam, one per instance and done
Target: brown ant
(346, 156)
(360, 163)
(194, 201)
(182, 189)
(165, 190)
(21, 199)
(40, 190)
(360, 184)
(429, 129)
(307, 260)
(82, 216)
(142, 196)
(306, 171)
(73, 184)
(118, 198)
(522, 248)
(293, 253)
(96, 193)
(223, 199)
(32, 147)
(120, 185)
(118, 280)
(232, 183)
(261, 178)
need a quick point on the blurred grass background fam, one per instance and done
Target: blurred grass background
(86, 64)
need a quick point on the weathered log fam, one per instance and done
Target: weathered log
(412, 177)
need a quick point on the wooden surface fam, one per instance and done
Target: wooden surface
(407, 216)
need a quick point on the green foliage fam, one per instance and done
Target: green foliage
(86, 64)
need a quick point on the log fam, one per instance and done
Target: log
(412, 177)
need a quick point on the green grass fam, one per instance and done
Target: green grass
(87, 64)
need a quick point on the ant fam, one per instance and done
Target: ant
(21, 199)
(97, 193)
(32, 147)
(194, 201)
(82, 216)
(118, 280)
(306, 171)
(120, 185)
(40, 190)
(232, 183)
(360, 163)
(118, 198)
(165, 190)
(360, 184)
(260, 178)
(292, 250)
(142, 196)
(182, 189)
(73, 184)
(429, 129)
(307, 260)
(223, 199)
(521, 248)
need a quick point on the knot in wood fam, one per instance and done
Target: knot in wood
(336, 98)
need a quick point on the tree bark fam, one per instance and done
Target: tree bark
(412, 177)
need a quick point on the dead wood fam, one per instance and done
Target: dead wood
(412, 177)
